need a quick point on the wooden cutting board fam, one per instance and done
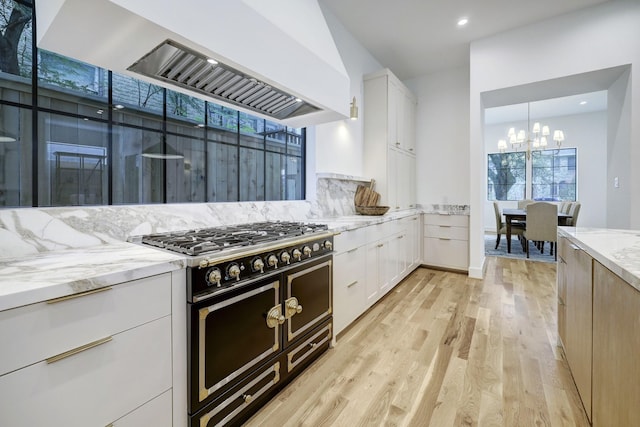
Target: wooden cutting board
(365, 196)
(360, 195)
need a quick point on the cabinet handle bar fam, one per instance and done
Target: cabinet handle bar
(78, 295)
(78, 349)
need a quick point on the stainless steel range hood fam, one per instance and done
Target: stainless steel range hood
(173, 63)
(270, 54)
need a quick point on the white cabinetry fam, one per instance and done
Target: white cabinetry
(91, 359)
(389, 134)
(369, 262)
(413, 244)
(446, 241)
(349, 284)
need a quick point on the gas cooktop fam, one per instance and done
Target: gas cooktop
(217, 239)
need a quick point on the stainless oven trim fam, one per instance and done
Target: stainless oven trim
(204, 392)
(204, 261)
(290, 277)
(310, 349)
(204, 420)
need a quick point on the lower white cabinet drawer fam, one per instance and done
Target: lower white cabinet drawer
(347, 240)
(39, 331)
(156, 413)
(446, 232)
(446, 253)
(93, 387)
(445, 219)
(349, 294)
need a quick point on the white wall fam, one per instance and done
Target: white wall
(592, 39)
(339, 145)
(588, 134)
(442, 136)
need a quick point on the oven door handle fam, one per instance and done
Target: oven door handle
(275, 317)
(292, 307)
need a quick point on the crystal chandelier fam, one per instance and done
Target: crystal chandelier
(536, 139)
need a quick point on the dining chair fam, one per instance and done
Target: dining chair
(564, 207)
(573, 211)
(542, 225)
(501, 227)
(522, 204)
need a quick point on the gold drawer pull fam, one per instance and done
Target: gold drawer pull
(352, 284)
(78, 350)
(109, 425)
(444, 238)
(444, 226)
(352, 250)
(78, 295)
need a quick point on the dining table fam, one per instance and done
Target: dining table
(521, 215)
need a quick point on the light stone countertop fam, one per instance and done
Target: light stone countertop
(37, 277)
(618, 250)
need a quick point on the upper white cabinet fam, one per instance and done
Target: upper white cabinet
(389, 138)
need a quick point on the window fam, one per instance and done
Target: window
(548, 175)
(506, 176)
(94, 137)
(553, 175)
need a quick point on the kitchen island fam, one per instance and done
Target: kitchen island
(598, 304)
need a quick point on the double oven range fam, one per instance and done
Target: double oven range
(259, 301)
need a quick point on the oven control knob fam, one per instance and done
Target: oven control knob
(234, 271)
(328, 245)
(258, 264)
(306, 251)
(285, 257)
(215, 276)
(296, 254)
(272, 260)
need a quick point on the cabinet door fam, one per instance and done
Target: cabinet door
(372, 273)
(393, 174)
(349, 293)
(561, 280)
(413, 243)
(616, 346)
(395, 103)
(578, 321)
(409, 124)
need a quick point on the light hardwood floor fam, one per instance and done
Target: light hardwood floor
(442, 349)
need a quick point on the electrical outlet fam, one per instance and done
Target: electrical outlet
(616, 182)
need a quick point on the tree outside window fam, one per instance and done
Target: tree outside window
(506, 176)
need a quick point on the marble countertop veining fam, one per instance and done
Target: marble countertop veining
(39, 277)
(36, 277)
(618, 250)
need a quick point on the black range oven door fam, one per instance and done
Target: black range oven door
(308, 297)
(230, 335)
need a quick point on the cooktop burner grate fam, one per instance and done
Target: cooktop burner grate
(214, 239)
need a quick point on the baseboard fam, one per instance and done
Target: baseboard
(478, 272)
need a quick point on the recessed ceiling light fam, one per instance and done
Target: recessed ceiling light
(212, 61)
(583, 102)
(298, 100)
(118, 107)
(462, 22)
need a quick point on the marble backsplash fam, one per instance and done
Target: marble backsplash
(27, 231)
(335, 193)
